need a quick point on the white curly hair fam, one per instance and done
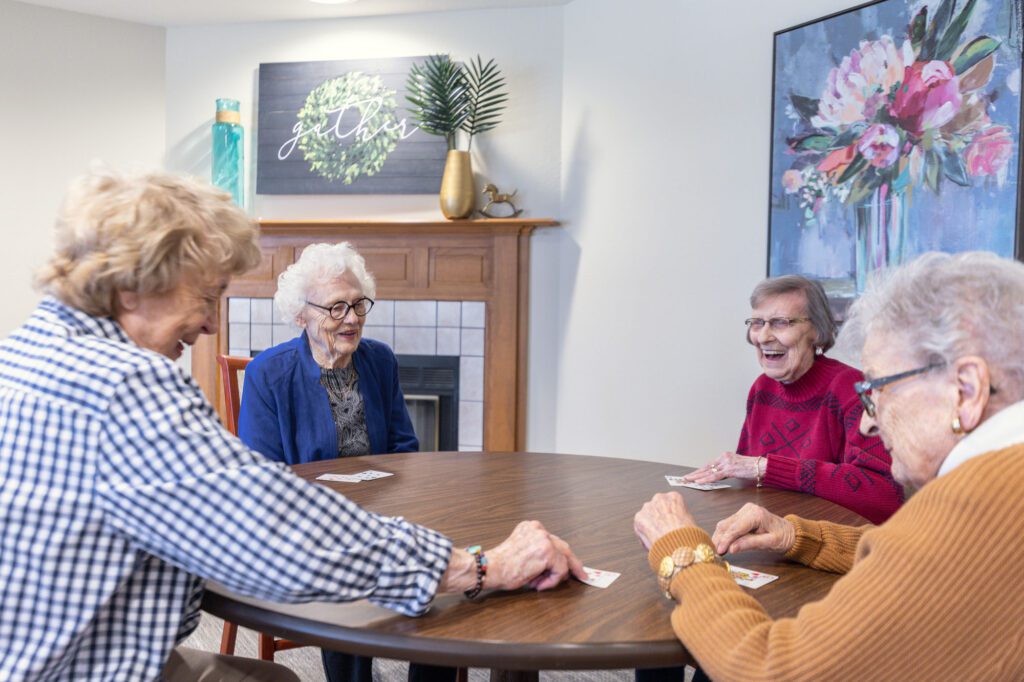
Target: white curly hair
(318, 263)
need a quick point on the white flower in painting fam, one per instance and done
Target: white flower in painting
(860, 85)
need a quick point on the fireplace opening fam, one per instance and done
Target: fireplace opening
(430, 384)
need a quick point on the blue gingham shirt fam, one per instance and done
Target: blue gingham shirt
(119, 490)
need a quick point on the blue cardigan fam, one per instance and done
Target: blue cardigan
(286, 415)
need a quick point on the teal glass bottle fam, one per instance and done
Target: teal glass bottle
(228, 147)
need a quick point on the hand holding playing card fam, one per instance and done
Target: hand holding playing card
(753, 527)
(531, 557)
(663, 513)
(726, 465)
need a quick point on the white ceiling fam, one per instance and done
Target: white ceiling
(192, 12)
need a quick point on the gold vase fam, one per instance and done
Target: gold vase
(457, 194)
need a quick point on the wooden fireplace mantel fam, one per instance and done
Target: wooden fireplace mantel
(457, 260)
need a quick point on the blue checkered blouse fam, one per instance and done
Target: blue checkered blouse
(120, 491)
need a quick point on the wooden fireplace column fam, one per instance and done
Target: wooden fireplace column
(460, 260)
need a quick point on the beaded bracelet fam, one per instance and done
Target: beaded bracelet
(481, 570)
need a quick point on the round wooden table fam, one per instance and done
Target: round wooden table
(477, 498)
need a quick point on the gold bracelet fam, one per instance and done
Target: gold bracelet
(757, 466)
(684, 557)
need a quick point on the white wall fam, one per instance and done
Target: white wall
(665, 143)
(204, 63)
(74, 89)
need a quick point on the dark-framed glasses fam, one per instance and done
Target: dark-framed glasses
(339, 310)
(863, 388)
(776, 324)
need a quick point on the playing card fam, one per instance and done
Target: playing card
(750, 578)
(599, 578)
(678, 481)
(338, 478)
(371, 474)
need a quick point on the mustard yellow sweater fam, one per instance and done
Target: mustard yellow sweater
(935, 593)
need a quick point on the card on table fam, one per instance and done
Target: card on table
(678, 481)
(750, 578)
(338, 478)
(367, 475)
(599, 578)
(371, 474)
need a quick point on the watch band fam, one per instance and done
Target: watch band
(684, 557)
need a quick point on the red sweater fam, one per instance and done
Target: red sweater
(809, 432)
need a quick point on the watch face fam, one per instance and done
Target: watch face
(666, 567)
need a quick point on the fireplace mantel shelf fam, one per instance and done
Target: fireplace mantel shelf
(391, 227)
(444, 260)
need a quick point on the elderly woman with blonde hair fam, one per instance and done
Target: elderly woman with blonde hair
(928, 594)
(120, 491)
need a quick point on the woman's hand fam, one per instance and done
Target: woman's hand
(531, 557)
(753, 527)
(663, 513)
(726, 465)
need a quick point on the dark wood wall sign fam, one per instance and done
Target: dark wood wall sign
(341, 127)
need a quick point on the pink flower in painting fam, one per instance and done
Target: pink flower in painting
(857, 89)
(792, 181)
(928, 97)
(880, 145)
(989, 152)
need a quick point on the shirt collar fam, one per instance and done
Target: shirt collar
(1001, 430)
(82, 322)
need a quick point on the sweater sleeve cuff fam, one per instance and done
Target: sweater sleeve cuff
(808, 541)
(781, 472)
(690, 536)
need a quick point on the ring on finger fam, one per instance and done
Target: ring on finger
(714, 468)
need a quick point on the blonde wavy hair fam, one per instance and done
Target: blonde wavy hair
(143, 234)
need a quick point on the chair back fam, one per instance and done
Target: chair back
(230, 368)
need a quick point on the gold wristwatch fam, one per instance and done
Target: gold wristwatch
(684, 557)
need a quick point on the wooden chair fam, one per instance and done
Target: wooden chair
(230, 369)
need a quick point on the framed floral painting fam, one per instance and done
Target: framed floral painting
(896, 129)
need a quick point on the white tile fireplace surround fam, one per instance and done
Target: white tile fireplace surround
(451, 328)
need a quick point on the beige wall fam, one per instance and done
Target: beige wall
(74, 89)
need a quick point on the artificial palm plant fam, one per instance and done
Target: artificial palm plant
(448, 96)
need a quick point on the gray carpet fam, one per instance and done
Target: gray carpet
(306, 661)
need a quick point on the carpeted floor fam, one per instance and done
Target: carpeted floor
(306, 661)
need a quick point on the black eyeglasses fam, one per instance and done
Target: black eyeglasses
(863, 388)
(339, 310)
(777, 324)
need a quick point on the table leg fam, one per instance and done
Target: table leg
(514, 675)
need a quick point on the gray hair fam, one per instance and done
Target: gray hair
(818, 309)
(319, 263)
(947, 306)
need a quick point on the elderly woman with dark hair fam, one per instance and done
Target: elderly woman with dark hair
(800, 432)
(931, 593)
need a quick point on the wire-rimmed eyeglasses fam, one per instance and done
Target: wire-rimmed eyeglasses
(863, 388)
(339, 310)
(776, 324)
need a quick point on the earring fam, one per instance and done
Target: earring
(957, 428)
(818, 350)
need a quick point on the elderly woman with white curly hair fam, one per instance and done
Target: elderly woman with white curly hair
(930, 593)
(329, 392)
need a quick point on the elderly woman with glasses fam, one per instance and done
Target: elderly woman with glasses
(329, 392)
(928, 594)
(800, 431)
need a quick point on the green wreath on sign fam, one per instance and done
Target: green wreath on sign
(345, 154)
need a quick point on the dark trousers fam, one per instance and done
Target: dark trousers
(341, 667)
